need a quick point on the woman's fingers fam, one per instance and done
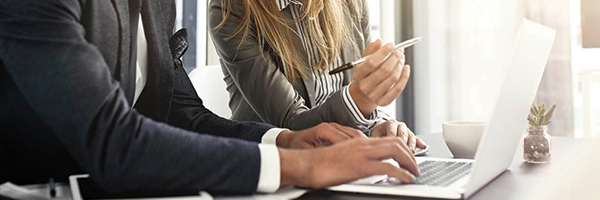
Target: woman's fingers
(397, 88)
(383, 129)
(380, 81)
(391, 129)
(420, 143)
(384, 78)
(372, 48)
(408, 136)
(383, 75)
(403, 135)
(372, 62)
(412, 140)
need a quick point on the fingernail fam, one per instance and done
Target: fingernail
(389, 46)
(398, 54)
(413, 178)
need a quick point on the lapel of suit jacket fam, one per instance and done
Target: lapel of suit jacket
(347, 56)
(309, 83)
(125, 71)
(309, 80)
(158, 17)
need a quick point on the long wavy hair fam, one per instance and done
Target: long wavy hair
(325, 22)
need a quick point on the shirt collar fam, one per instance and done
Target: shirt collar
(282, 4)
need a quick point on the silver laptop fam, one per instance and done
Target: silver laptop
(461, 178)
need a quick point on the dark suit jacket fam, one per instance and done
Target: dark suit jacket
(67, 70)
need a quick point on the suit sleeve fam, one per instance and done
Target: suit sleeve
(187, 111)
(67, 83)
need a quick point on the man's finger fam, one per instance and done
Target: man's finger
(398, 152)
(384, 140)
(351, 132)
(380, 168)
(332, 135)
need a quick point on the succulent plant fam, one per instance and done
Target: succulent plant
(539, 116)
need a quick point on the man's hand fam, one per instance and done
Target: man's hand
(321, 135)
(395, 128)
(347, 161)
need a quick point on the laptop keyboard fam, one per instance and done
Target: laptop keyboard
(437, 173)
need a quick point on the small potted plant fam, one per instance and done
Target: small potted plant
(536, 143)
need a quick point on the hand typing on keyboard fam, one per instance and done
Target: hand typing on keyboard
(435, 173)
(347, 161)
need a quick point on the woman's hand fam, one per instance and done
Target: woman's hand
(380, 79)
(394, 128)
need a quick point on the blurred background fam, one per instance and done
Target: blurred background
(459, 68)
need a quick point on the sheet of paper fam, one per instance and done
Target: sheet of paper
(13, 191)
(281, 194)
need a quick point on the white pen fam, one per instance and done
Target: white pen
(351, 65)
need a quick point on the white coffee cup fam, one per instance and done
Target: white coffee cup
(462, 137)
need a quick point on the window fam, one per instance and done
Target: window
(586, 71)
(192, 15)
(468, 44)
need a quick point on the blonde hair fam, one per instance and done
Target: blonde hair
(325, 22)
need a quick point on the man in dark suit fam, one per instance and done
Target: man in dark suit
(68, 78)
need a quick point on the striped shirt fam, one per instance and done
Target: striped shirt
(326, 84)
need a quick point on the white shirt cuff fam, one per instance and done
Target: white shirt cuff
(270, 137)
(270, 172)
(361, 121)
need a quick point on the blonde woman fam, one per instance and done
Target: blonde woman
(276, 55)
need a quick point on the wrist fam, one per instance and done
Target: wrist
(364, 104)
(284, 139)
(294, 167)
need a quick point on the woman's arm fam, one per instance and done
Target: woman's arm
(370, 47)
(262, 84)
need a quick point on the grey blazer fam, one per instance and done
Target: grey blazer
(258, 88)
